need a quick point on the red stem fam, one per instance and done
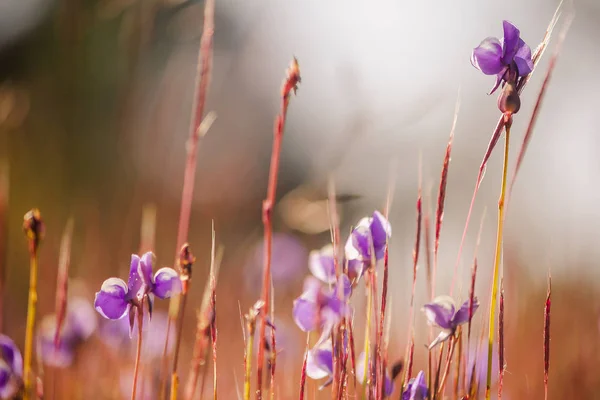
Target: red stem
(293, 78)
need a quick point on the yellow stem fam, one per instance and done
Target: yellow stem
(174, 385)
(498, 258)
(31, 309)
(249, 349)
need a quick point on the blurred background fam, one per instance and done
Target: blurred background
(95, 102)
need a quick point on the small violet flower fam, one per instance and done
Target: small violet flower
(507, 58)
(442, 312)
(320, 307)
(116, 298)
(362, 378)
(367, 243)
(319, 362)
(321, 264)
(80, 323)
(416, 388)
(11, 368)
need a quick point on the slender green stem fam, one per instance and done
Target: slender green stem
(31, 310)
(498, 258)
(138, 353)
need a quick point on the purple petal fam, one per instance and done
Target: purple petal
(82, 317)
(11, 355)
(9, 384)
(510, 41)
(462, 315)
(499, 78)
(145, 268)
(321, 264)
(111, 300)
(312, 289)
(319, 361)
(305, 314)
(132, 314)
(359, 244)
(355, 269)
(417, 388)
(381, 231)
(523, 59)
(345, 286)
(487, 57)
(440, 312)
(388, 385)
(166, 283)
(135, 283)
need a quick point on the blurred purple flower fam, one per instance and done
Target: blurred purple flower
(477, 367)
(115, 298)
(320, 307)
(11, 368)
(367, 243)
(319, 362)
(116, 336)
(507, 58)
(416, 388)
(442, 312)
(322, 264)
(288, 261)
(361, 368)
(80, 323)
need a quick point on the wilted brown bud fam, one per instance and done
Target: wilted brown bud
(33, 226)
(509, 101)
(186, 260)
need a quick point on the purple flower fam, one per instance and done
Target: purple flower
(367, 242)
(442, 312)
(362, 378)
(507, 58)
(416, 388)
(319, 362)
(11, 368)
(79, 324)
(116, 298)
(320, 307)
(322, 265)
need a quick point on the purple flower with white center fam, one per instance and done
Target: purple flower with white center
(416, 388)
(322, 264)
(11, 368)
(442, 312)
(367, 242)
(361, 368)
(507, 58)
(116, 298)
(319, 362)
(80, 323)
(320, 307)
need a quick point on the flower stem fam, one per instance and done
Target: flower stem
(498, 257)
(138, 353)
(174, 376)
(31, 310)
(249, 350)
(366, 371)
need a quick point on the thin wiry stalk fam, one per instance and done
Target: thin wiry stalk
(537, 55)
(436, 382)
(335, 239)
(448, 362)
(352, 351)
(501, 366)
(459, 364)
(439, 212)
(303, 373)
(540, 98)
(34, 230)
(273, 349)
(138, 353)
(547, 336)
(290, 84)
(213, 331)
(367, 345)
(4, 187)
(497, 257)
(410, 345)
(205, 317)
(62, 281)
(427, 240)
(204, 66)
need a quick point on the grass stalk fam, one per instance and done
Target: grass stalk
(498, 256)
(547, 336)
(138, 352)
(289, 85)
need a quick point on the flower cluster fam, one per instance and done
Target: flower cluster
(116, 298)
(80, 323)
